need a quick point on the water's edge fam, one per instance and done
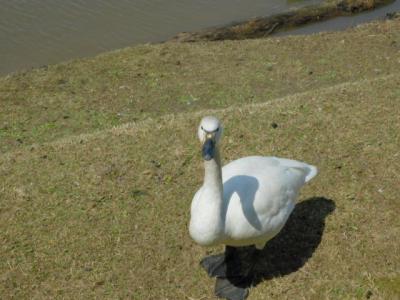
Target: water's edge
(284, 22)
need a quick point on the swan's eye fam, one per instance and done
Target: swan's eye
(217, 129)
(202, 128)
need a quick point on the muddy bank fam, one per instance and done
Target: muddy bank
(264, 26)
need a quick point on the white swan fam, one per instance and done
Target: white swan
(247, 202)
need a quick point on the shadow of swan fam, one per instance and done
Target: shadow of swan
(246, 188)
(297, 241)
(288, 251)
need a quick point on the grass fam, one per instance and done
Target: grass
(96, 211)
(151, 80)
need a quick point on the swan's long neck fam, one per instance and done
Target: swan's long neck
(207, 221)
(213, 175)
(212, 197)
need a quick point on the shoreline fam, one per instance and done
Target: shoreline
(261, 27)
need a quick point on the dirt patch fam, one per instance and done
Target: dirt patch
(264, 26)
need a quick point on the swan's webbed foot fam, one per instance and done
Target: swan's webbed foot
(234, 271)
(233, 288)
(215, 265)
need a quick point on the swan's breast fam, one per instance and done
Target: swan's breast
(206, 223)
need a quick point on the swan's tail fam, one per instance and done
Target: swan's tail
(312, 171)
(309, 170)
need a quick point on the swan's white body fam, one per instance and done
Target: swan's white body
(245, 203)
(251, 203)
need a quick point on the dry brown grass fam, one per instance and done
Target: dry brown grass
(107, 216)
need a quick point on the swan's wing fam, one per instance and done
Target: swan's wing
(260, 193)
(259, 205)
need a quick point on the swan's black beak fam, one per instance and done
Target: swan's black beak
(208, 149)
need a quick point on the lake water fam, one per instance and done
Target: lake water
(39, 32)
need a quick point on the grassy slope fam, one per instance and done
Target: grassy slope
(150, 80)
(105, 215)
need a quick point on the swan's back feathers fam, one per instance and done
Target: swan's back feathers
(252, 164)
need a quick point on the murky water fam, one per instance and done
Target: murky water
(38, 32)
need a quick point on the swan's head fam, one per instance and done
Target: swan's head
(209, 133)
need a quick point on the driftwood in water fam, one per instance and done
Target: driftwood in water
(264, 26)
